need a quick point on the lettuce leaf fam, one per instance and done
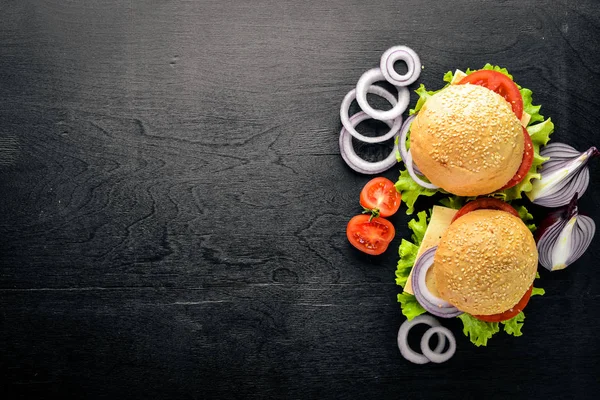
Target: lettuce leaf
(418, 226)
(479, 332)
(513, 326)
(410, 306)
(411, 191)
(408, 255)
(454, 202)
(538, 292)
(526, 217)
(408, 250)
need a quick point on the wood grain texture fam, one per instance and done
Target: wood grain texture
(174, 203)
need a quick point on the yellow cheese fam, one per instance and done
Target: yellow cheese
(458, 76)
(441, 217)
(525, 119)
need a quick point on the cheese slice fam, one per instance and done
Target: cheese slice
(458, 76)
(525, 119)
(441, 217)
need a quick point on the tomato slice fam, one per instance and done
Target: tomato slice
(499, 83)
(370, 235)
(525, 164)
(485, 203)
(510, 313)
(380, 196)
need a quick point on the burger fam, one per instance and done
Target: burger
(477, 263)
(479, 135)
(467, 140)
(485, 263)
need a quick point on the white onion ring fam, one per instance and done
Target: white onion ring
(366, 80)
(400, 53)
(405, 349)
(435, 355)
(410, 168)
(407, 156)
(428, 300)
(353, 160)
(381, 92)
(403, 135)
(402, 142)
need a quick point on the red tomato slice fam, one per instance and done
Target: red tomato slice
(381, 196)
(485, 203)
(510, 313)
(525, 164)
(371, 237)
(499, 83)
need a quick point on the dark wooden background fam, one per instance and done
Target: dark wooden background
(173, 203)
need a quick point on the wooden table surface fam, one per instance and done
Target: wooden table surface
(173, 202)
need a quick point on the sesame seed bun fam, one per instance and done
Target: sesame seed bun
(467, 140)
(485, 262)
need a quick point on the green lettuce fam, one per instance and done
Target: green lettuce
(539, 130)
(408, 255)
(454, 202)
(526, 217)
(479, 332)
(410, 306)
(411, 190)
(538, 292)
(408, 250)
(513, 326)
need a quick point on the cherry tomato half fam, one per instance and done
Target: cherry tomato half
(525, 164)
(510, 313)
(485, 203)
(499, 83)
(371, 237)
(380, 196)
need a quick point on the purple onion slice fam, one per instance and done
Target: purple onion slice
(400, 53)
(431, 303)
(562, 175)
(411, 167)
(566, 236)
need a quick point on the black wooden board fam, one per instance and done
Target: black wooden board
(173, 202)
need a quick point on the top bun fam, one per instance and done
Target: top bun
(467, 140)
(485, 262)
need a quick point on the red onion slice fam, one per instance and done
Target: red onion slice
(431, 303)
(582, 237)
(353, 160)
(364, 82)
(566, 238)
(400, 53)
(410, 167)
(557, 150)
(405, 349)
(381, 92)
(563, 175)
(433, 355)
(404, 152)
(404, 135)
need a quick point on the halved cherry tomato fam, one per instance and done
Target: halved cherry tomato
(525, 164)
(488, 203)
(370, 235)
(510, 313)
(499, 83)
(381, 197)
